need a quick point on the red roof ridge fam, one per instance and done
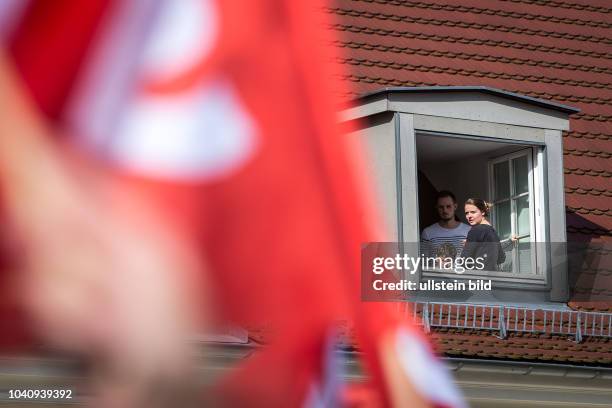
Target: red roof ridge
(589, 172)
(588, 231)
(465, 40)
(472, 56)
(594, 211)
(599, 118)
(490, 12)
(587, 135)
(587, 152)
(590, 306)
(590, 191)
(482, 74)
(463, 24)
(563, 4)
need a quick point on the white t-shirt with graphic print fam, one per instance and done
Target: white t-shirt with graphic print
(435, 235)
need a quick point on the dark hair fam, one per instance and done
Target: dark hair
(445, 193)
(481, 204)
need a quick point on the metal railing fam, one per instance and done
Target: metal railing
(504, 319)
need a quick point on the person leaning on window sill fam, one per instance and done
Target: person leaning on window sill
(482, 240)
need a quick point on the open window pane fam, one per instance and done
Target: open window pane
(503, 219)
(514, 215)
(521, 175)
(502, 180)
(522, 215)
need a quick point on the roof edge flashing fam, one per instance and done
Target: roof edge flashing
(385, 92)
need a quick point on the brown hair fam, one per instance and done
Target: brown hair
(481, 204)
(445, 193)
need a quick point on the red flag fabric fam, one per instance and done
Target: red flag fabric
(224, 114)
(66, 29)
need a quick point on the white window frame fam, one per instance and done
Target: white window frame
(534, 217)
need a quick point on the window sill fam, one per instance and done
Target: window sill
(502, 279)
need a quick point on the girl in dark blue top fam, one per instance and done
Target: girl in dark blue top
(482, 240)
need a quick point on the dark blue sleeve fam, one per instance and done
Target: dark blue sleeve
(471, 242)
(499, 254)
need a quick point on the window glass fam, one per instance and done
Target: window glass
(503, 219)
(502, 180)
(522, 215)
(521, 175)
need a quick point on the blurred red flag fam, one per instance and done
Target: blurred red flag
(224, 114)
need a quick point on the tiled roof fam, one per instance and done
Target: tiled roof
(529, 347)
(528, 334)
(531, 335)
(553, 50)
(548, 49)
(485, 344)
(522, 346)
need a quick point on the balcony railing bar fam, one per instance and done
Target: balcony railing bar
(503, 319)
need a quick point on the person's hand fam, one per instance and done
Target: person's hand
(105, 276)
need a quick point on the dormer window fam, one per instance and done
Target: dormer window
(476, 142)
